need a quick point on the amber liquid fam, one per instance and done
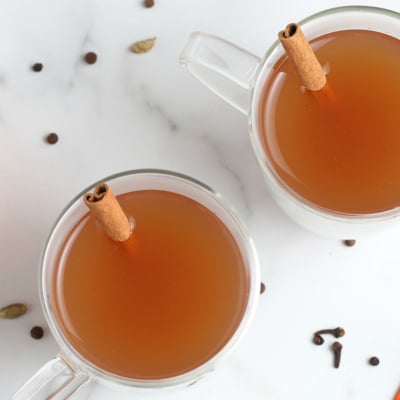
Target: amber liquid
(338, 148)
(160, 304)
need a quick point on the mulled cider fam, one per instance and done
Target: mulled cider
(160, 304)
(338, 148)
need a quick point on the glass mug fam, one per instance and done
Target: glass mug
(239, 78)
(71, 370)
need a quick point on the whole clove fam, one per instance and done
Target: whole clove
(318, 340)
(337, 332)
(337, 352)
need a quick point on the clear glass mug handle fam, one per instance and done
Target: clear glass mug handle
(226, 69)
(56, 380)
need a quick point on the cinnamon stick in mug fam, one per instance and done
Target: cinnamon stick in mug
(301, 54)
(107, 211)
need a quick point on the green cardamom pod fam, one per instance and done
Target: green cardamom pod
(13, 311)
(143, 46)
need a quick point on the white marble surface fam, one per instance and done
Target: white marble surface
(144, 111)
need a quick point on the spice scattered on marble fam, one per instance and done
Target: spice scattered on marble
(37, 332)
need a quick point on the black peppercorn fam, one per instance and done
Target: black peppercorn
(90, 57)
(52, 138)
(148, 3)
(374, 361)
(37, 67)
(37, 332)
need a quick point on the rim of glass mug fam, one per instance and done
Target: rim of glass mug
(351, 17)
(150, 179)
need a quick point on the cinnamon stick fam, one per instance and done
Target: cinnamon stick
(107, 211)
(303, 57)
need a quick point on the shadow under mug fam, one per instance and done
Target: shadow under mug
(238, 77)
(70, 371)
